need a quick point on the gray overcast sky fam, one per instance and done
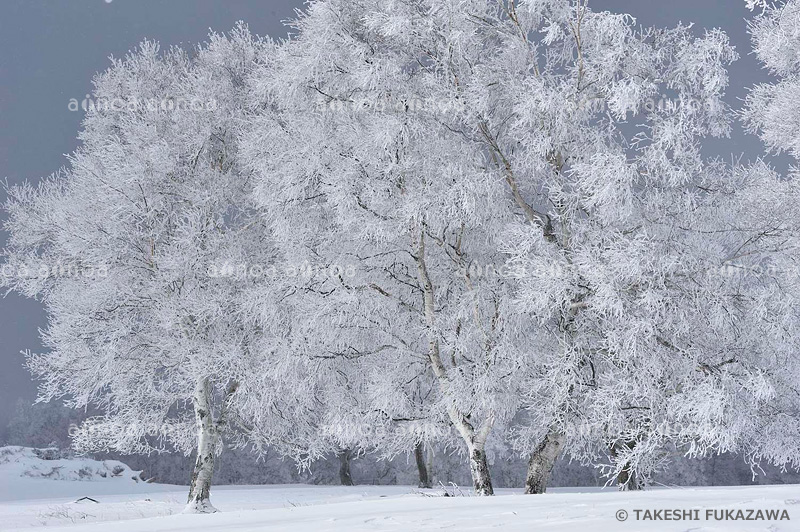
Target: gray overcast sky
(49, 51)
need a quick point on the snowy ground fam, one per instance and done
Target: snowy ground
(27, 502)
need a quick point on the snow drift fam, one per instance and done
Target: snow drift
(56, 464)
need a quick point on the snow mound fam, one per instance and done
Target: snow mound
(56, 464)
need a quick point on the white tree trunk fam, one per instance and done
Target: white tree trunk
(479, 467)
(542, 461)
(475, 439)
(207, 441)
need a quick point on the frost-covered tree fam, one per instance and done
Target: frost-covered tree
(404, 206)
(592, 127)
(733, 234)
(131, 249)
(566, 138)
(514, 121)
(429, 142)
(770, 209)
(771, 111)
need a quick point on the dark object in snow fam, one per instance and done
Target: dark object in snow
(52, 453)
(87, 499)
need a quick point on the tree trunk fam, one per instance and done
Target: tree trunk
(627, 478)
(479, 468)
(344, 467)
(475, 438)
(419, 456)
(429, 464)
(207, 440)
(542, 461)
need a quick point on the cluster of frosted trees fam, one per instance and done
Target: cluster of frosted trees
(484, 227)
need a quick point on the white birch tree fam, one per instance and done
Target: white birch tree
(578, 155)
(369, 181)
(127, 250)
